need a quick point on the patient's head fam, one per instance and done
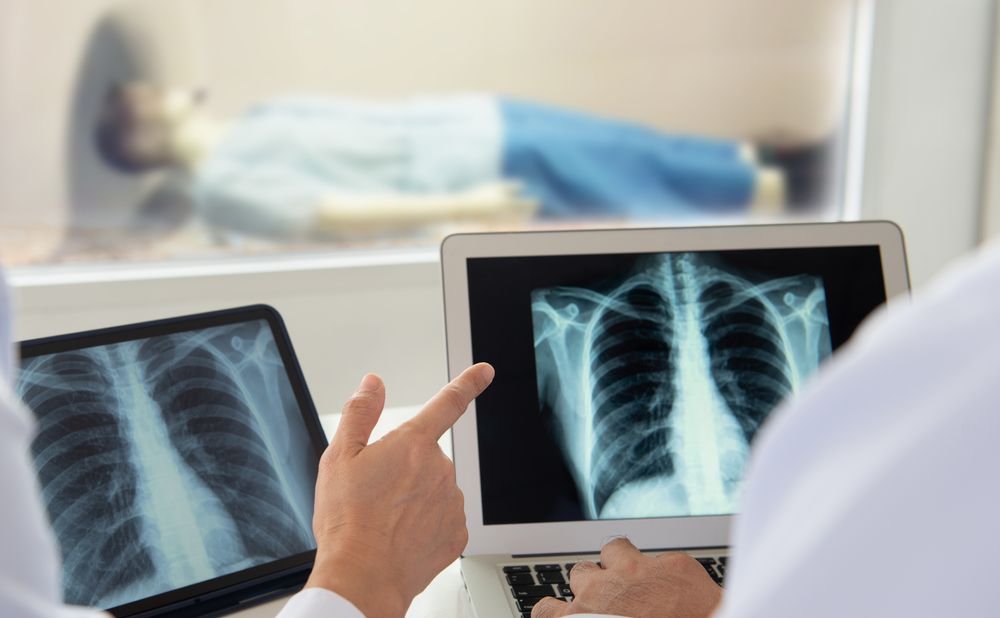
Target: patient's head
(139, 125)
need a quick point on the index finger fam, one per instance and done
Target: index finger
(448, 405)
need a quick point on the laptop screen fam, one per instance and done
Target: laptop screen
(632, 385)
(170, 456)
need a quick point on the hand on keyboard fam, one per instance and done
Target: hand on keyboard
(628, 583)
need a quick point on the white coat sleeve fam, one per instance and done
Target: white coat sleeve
(875, 493)
(319, 603)
(29, 561)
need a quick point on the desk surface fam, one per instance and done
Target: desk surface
(445, 596)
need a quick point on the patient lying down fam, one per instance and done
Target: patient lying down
(330, 166)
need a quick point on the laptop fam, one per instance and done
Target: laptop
(633, 369)
(177, 461)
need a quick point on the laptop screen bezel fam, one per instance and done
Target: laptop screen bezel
(249, 583)
(647, 533)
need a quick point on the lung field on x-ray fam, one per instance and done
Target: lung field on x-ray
(657, 382)
(160, 461)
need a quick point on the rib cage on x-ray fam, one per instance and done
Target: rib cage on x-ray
(658, 382)
(155, 462)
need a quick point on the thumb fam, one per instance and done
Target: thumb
(360, 414)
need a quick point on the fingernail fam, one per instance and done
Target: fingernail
(368, 384)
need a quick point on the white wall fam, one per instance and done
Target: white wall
(712, 66)
(927, 125)
(346, 316)
(991, 177)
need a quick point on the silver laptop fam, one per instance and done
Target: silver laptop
(634, 368)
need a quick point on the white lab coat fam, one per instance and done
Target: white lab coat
(873, 494)
(876, 492)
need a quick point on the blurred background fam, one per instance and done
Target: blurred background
(568, 80)
(167, 156)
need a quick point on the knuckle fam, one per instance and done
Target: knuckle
(451, 500)
(360, 402)
(461, 540)
(437, 464)
(621, 547)
(328, 459)
(545, 608)
(458, 505)
(582, 586)
(580, 580)
(576, 572)
(455, 397)
(449, 474)
(327, 455)
(632, 567)
(433, 465)
(677, 560)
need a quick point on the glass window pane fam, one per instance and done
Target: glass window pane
(186, 129)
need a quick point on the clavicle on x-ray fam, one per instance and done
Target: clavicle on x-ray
(167, 460)
(658, 382)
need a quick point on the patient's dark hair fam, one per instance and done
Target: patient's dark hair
(120, 118)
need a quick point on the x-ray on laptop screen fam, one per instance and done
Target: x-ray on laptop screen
(632, 385)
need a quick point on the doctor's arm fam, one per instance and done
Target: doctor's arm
(389, 515)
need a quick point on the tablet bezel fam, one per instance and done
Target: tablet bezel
(256, 583)
(647, 533)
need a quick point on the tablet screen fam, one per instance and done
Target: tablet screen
(170, 460)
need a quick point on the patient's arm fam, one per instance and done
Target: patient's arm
(770, 192)
(346, 213)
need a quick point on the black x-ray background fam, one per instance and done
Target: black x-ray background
(522, 472)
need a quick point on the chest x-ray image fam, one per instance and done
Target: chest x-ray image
(168, 461)
(658, 381)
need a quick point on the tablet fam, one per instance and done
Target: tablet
(177, 461)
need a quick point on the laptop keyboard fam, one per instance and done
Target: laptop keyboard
(529, 583)
(716, 568)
